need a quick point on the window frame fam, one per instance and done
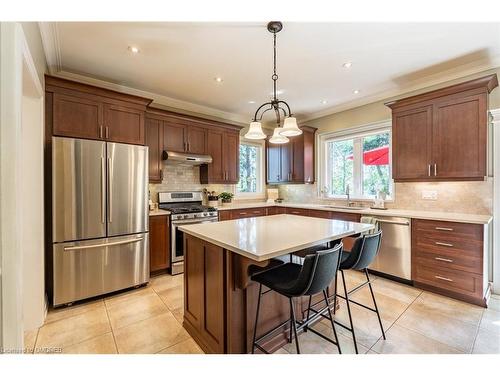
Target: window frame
(356, 133)
(261, 182)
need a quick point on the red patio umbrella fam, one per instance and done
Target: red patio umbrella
(377, 156)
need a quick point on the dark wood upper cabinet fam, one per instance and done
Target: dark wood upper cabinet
(159, 242)
(123, 124)
(442, 135)
(292, 162)
(77, 117)
(82, 111)
(174, 137)
(196, 140)
(154, 140)
(224, 147)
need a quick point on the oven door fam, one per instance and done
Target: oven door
(177, 238)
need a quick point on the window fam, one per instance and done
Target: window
(358, 162)
(251, 170)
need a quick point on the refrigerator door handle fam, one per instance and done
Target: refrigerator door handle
(72, 248)
(110, 187)
(103, 190)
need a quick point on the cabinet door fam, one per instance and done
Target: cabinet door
(459, 138)
(159, 242)
(231, 157)
(196, 140)
(154, 140)
(214, 171)
(194, 264)
(308, 159)
(77, 117)
(296, 149)
(123, 124)
(174, 138)
(273, 163)
(286, 162)
(411, 145)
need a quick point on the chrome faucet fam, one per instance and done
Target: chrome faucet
(347, 192)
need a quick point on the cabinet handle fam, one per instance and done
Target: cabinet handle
(429, 170)
(107, 132)
(243, 213)
(100, 131)
(188, 146)
(444, 260)
(444, 244)
(444, 228)
(435, 170)
(256, 212)
(443, 278)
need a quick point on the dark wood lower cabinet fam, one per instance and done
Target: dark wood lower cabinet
(159, 243)
(220, 301)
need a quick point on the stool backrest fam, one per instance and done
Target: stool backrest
(363, 252)
(318, 271)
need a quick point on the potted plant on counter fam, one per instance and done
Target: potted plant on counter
(226, 197)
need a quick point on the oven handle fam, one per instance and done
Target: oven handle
(178, 223)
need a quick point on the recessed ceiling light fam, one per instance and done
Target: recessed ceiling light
(347, 65)
(324, 101)
(251, 102)
(355, 92)
(218, 79)
(133, 49)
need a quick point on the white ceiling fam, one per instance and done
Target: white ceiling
(181, 60)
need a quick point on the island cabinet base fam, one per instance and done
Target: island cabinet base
(220, 301)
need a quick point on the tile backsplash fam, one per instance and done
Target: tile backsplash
(183, 177)
(474, 197)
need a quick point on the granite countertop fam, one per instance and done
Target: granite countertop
(159, 212)
(266, 237)
(414, 214)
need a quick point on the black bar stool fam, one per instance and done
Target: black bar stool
(294, 280)
(362, 254)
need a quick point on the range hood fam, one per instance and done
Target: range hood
(181, 158)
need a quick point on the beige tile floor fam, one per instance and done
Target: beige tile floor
(149, 320)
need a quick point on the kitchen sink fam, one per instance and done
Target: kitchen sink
(354, 208)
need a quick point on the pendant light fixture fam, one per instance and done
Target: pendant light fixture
(290, 127)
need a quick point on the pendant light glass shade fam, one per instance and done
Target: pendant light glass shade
(278, 137)
(290, 127)
(255, 131)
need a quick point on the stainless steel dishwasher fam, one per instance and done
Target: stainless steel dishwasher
(394, 257)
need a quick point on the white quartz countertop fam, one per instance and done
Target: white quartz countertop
(414, 214)
(159, 212)
(266, 237)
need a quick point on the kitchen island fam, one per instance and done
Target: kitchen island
(219, 297)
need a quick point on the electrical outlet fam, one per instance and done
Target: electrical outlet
(430, 195)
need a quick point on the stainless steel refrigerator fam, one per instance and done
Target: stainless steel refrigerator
(100, 218)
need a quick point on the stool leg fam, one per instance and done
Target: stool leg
(294, 322)
(331, 321)
(256, 319)
(335, 296)
(349, 311)
(308, 311)
(375, 303)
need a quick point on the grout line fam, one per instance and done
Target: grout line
(36, 339)
(111, 326)
(477, 332)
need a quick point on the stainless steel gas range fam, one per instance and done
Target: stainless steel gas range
(186, 208)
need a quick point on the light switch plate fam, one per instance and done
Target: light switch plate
(430, 195)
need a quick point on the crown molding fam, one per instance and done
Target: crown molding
(460, 74)
(159, 101)
(50, 41)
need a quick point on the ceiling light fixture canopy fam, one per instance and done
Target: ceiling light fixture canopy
(290, 127)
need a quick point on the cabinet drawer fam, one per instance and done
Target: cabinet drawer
(224, 215)
(455, 281)
(248, 212)
(346, 216)
(276, 210)
(444, 230)
(458, 261)
(321, 214)
(448, 246)
(297, 211)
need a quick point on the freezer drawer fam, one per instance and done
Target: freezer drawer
(127, 189)
(78, 189)
(394, 257)
(90, 268)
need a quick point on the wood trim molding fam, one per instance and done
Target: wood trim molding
(495, 120)
(50, 41)
(487, 83)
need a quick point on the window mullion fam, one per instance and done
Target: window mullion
(357, 168)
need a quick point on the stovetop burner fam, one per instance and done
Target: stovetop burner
(186, 209)
(186, 205)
